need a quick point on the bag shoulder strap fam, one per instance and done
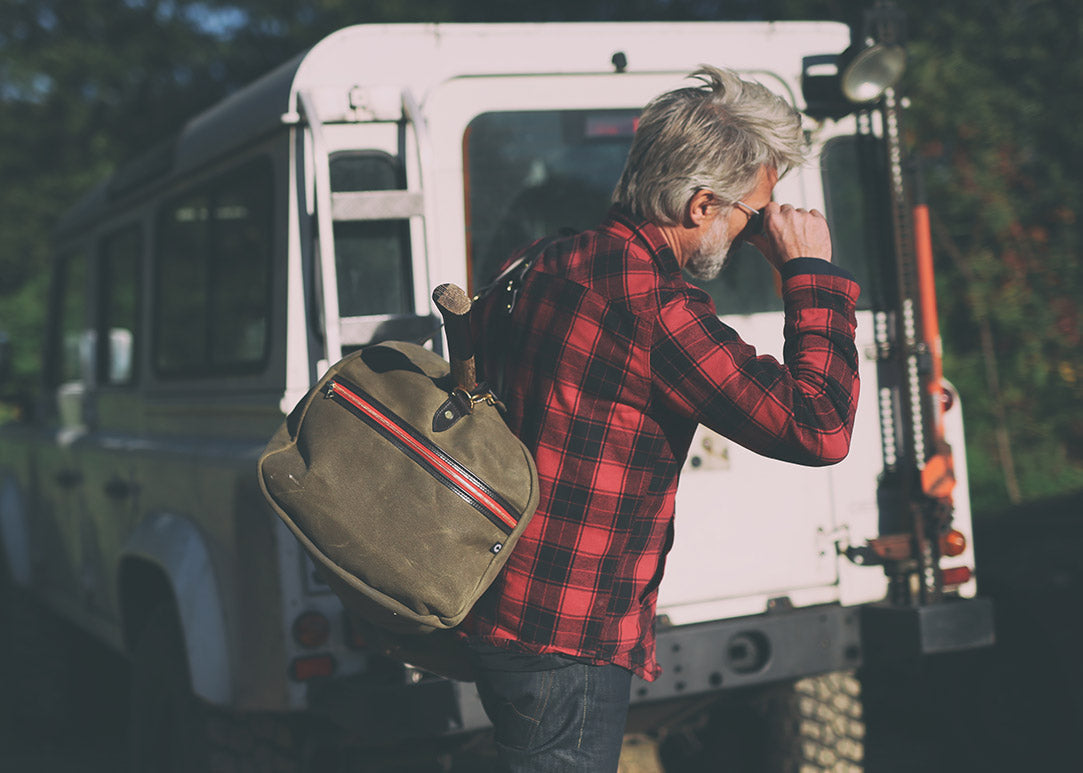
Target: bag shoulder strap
(511, 278)
(509, 282)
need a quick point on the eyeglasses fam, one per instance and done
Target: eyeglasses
(754, 226)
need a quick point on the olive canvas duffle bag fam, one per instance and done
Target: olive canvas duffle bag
(400, 478)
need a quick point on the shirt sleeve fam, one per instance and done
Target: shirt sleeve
(800, 410)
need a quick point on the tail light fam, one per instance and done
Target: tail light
(311, 630)
(953, 543)
(303, 669)
(957, 575)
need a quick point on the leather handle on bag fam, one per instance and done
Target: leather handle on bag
(454, 305)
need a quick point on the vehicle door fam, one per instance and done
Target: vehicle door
(59, 509)
(111, 448)
(534, 154)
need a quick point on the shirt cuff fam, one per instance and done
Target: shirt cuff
(792, 268)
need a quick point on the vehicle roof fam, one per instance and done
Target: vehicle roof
(419, 57)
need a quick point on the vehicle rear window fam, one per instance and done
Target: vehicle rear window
(531, 173)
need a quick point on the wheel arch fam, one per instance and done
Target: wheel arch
(167, 560)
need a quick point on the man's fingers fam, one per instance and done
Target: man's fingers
(792, 232)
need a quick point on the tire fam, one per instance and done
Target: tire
(168, 724)
(813, 725)
(816, 725)
(173, 731)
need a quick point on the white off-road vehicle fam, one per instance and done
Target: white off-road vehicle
(200, 292)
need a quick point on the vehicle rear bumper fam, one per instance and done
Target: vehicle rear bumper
(743, 652)
(893, 633)
(696, 660)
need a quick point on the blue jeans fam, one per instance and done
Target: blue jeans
(552, 714)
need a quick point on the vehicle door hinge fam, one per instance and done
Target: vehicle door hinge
(837, 540)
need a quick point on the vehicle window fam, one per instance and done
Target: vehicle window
(212, 277)
(119, 282)
(240, 274)
(372, 256)
(74, 352)
(531, 173)
(849, 172)
(746, 285)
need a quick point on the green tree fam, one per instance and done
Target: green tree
(993, 86)
(82, 86)
(994, 118)
(85, 86)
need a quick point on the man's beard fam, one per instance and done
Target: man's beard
(711, 253)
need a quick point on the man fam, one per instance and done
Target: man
(610, 359)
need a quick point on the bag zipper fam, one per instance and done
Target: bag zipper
(428, 456)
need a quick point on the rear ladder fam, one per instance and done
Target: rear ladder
(412, 204)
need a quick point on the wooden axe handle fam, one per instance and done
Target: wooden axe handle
(454, 305)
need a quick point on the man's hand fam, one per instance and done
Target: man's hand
(790, 233)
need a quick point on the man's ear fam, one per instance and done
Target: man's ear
(701, 208)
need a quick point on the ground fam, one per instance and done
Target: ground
(1013, 707)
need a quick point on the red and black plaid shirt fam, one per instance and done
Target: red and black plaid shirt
(611, 360)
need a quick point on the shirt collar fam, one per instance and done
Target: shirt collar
(622, 223)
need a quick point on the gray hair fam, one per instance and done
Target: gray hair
(715, 135)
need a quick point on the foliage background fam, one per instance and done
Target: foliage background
(994, 87)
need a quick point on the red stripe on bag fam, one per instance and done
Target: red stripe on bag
(441, 465)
